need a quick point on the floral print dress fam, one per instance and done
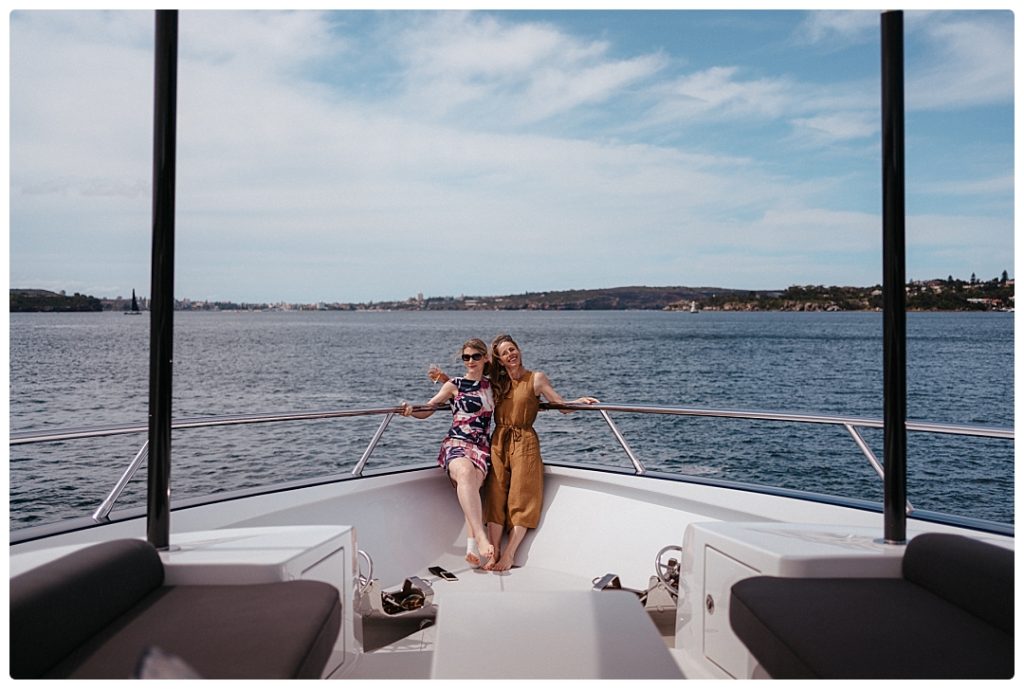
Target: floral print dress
(469, 435)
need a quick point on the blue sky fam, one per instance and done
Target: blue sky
(359, 155)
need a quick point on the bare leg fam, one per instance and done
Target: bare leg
(494, 534)
(468, 480)
(508, 556)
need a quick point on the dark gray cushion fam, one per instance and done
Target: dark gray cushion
(96, 612)
(871, 628)
(55, 608)
(971, 574)
(863, 628)
(270, 631)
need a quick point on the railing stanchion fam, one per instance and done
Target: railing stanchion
(102, 512)
(637, 464)
(358, 470)
(870, 454)
(867, 451)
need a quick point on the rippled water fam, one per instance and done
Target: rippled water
(74, 370)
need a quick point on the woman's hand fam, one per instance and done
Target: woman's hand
(586, 400)
(446, 392)
(437, 375)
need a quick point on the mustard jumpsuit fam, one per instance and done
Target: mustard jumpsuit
(514, 490)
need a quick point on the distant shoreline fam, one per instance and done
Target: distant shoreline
(930, 295)
(303, 309)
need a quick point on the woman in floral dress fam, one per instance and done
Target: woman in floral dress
(466, 450)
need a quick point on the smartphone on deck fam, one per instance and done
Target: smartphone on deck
(443, 573)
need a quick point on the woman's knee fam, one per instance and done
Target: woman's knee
(463, 471)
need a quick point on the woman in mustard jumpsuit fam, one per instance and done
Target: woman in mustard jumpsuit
(514, 490)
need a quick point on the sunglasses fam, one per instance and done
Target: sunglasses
(475, 357)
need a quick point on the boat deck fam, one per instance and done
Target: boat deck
(595, 523)
(410, 655)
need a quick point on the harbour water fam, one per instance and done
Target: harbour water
(78, 370)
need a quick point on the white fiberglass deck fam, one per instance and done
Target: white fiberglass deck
(489, 621)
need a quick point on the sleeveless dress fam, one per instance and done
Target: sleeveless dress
(514, 490)
(472, 408)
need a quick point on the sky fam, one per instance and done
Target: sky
(358, 156)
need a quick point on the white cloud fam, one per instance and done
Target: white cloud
(555, 91)
(837, 29)
(953, 59)
(76, 95)
(932, 231)
(936, 246)
(839, 126)
(721, 92)
(482, 47)
(967, 62)
(266, 43)
(1002, 186)
(465, 65)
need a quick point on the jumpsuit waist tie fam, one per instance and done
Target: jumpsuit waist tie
(513, 431)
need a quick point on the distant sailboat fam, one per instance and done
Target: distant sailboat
(693, 307)
(135, 307)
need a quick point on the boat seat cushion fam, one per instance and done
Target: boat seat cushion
(949, 616)
(96, 612)
(968, 573)
(55, 608)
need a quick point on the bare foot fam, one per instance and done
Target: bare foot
(472, 557)
(486, 551)
(493, 561)
(503, 565)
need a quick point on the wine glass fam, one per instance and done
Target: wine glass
(434, 371)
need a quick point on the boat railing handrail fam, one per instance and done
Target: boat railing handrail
(58, 434)
(25, 437)
(988, 431)
(850, 424)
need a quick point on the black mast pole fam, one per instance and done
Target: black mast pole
(894, 329)
(161, 324)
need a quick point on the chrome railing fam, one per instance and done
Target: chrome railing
(102, 512)
(851, 425)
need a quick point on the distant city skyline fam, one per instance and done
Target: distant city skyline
(421, 297)
(371, 156)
